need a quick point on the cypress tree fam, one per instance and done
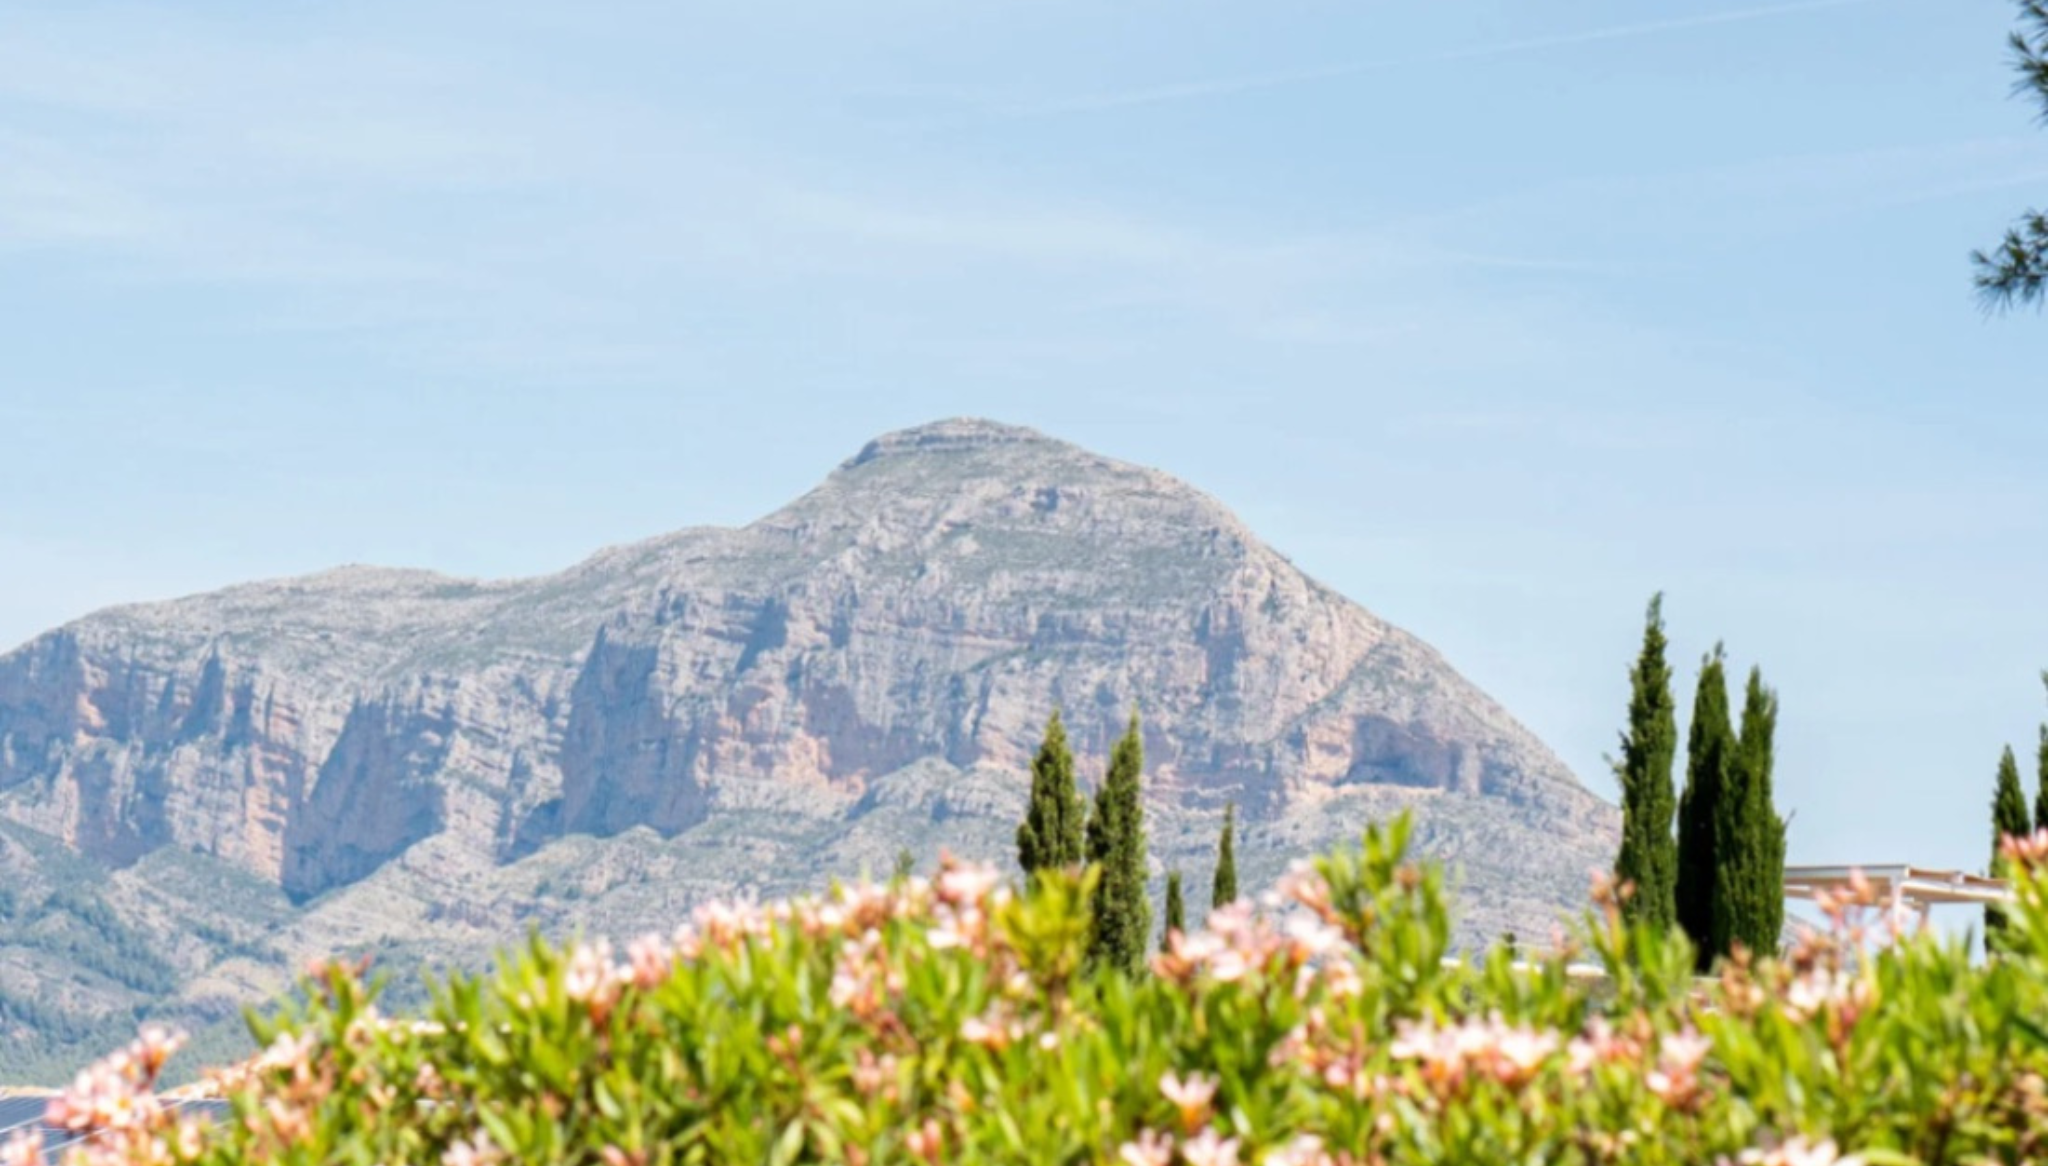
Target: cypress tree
(1223, 891)
(2041, 780)
(2041, 774)
(1050, 835)
(1710, 755)
(1752, 870)
(1116, 843)
(1175, 912)
(1649, 857)
(2008, 816)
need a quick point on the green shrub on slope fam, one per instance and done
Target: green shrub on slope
(950, 1021)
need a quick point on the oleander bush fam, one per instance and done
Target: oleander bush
(950, 1020)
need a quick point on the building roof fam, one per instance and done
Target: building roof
(1912, 885)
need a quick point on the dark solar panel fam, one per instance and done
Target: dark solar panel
(17, 1112)
(25, 1113)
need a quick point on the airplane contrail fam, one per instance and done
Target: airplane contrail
(1253, 82)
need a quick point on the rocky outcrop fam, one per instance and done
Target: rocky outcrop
(927, 604)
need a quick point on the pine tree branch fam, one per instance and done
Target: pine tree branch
(2016, 271)
(2030, 53)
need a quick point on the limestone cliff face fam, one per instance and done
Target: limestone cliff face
(929, 603)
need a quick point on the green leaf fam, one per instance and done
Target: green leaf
(789, 1145)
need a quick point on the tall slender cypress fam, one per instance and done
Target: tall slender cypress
(2041, 780)
(2041, 774)
(2008, 816)
(1710, 755)
(1648, 860)
(1050, 835)
(1116, 843)
(1176, 913)
(1223, 889)
(1751, 876)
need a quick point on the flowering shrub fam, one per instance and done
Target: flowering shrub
(951, 1021)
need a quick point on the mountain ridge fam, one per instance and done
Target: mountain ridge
(726, 710)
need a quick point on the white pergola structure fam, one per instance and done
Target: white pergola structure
(1903, 888)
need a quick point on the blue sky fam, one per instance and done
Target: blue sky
(1497, 316)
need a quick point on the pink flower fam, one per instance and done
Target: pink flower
(871, 1074)
(1304, 1150)
(1305, 886)
(1190, 1096)
(976, 1031)
(1510, 1054)
(927, 1141)
(25, 1148)
(591, 979)
(1208, 1149)
(1414, 1042)
(427, 1081)
(1229, 966)
(1798, 1152)
(1519, 1052)
(2027, 851)
(650, 960)
(1684, 1050)
(1599, 1046)
(725, 926)
(189, 1139)
(1818, 990)
(479, 1150)
(1341, 979)
(1151, 1149)
(1232, 919)
(1675, 1080)
(967, 884)
(1313, 938)
(687, 943)
(154, 1046)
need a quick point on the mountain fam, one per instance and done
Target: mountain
(195, 794)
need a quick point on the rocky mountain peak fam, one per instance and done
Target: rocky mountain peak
(1008, 496)
(758, 709)
(955, 434)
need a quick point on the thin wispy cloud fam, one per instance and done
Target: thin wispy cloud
(335, 196)
(336, 192)
(1256, 82)
(1610, 222)
(2035, 178)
